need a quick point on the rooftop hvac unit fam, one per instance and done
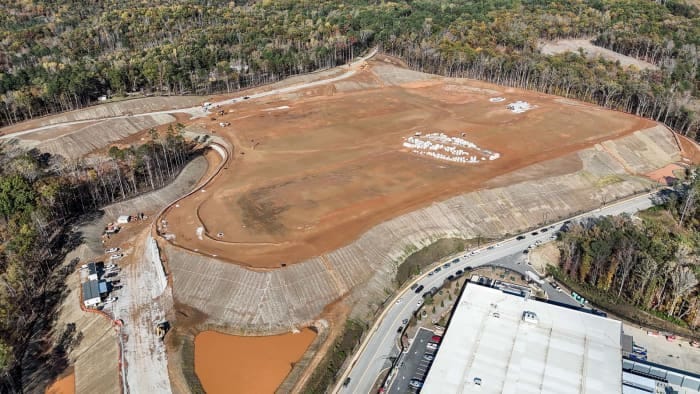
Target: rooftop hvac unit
(530, 317)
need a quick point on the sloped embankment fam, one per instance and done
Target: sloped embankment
(253, 302)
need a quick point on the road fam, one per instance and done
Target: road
(197, 111)
(368, 362)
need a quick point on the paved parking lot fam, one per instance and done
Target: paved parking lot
(413, 365)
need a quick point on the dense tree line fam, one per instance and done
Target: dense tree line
(41, 197)
(651, 263)
(61, 55)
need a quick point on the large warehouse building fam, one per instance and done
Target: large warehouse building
(501, 343)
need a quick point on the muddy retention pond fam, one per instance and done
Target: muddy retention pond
(239, 364)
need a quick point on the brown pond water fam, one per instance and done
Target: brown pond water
(237, 364)
(64, 385)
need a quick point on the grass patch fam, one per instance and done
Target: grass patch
(418, 260)
(325, 374)
(608, 180)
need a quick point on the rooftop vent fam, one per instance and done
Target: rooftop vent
(530, 317)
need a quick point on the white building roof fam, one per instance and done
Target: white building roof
(566, 351)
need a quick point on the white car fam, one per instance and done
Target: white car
(110, 266)
(110, 300)
(116, 256)
(419, 303)
(398, 301)
(112, 250)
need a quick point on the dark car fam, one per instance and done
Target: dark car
(246, 97)
(534, 233)
(418, 289)
(526, 251)
(520, 237)
(451, 278)
(468, 268)
(427, 294)
(346, 382)
(459, 273)
(544, 230)
(399, 329)
(455, 261)
(413, 286)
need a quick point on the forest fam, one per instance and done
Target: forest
(62, 55)
(41, 198)
(649, 261)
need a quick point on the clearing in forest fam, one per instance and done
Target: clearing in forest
(312, 170)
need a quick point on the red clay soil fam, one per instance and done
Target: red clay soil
(691, 150)
(64, 385)
(235, 364)
(313, 177)
(665, 175)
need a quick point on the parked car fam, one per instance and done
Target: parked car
(455, 261)
(404, 321)
(116, 256)
(520, 237)
(110, 266)
(398, 301)
(419, 289)
(459, 273)
(419, 303)
(347, 382)
(446, 265)
(438, 269)
(413, 286)
(112, 250)
(451, 278)
(428, 357)
(110, 300)
(415, 383)
(246, 97)
(436, 338)
(431, 346)
(398, 330)
(534, 233)
(544, 230)
(491, 247)
(526, 251)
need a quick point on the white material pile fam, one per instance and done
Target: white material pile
(496, 99)
(519, 107)
(443, 147)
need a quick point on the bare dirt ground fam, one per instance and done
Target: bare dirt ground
(312, 172)
(543, 256)
(64, 385)
(667, 174)
(228, 363)
(592, 51)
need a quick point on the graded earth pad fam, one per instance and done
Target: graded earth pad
(235, 364)
(313, 170)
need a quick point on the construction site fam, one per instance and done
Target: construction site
(316, 189)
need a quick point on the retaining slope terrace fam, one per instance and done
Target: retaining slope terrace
(119, 108)
(98, 135)
(149, 203)
(252, 302)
